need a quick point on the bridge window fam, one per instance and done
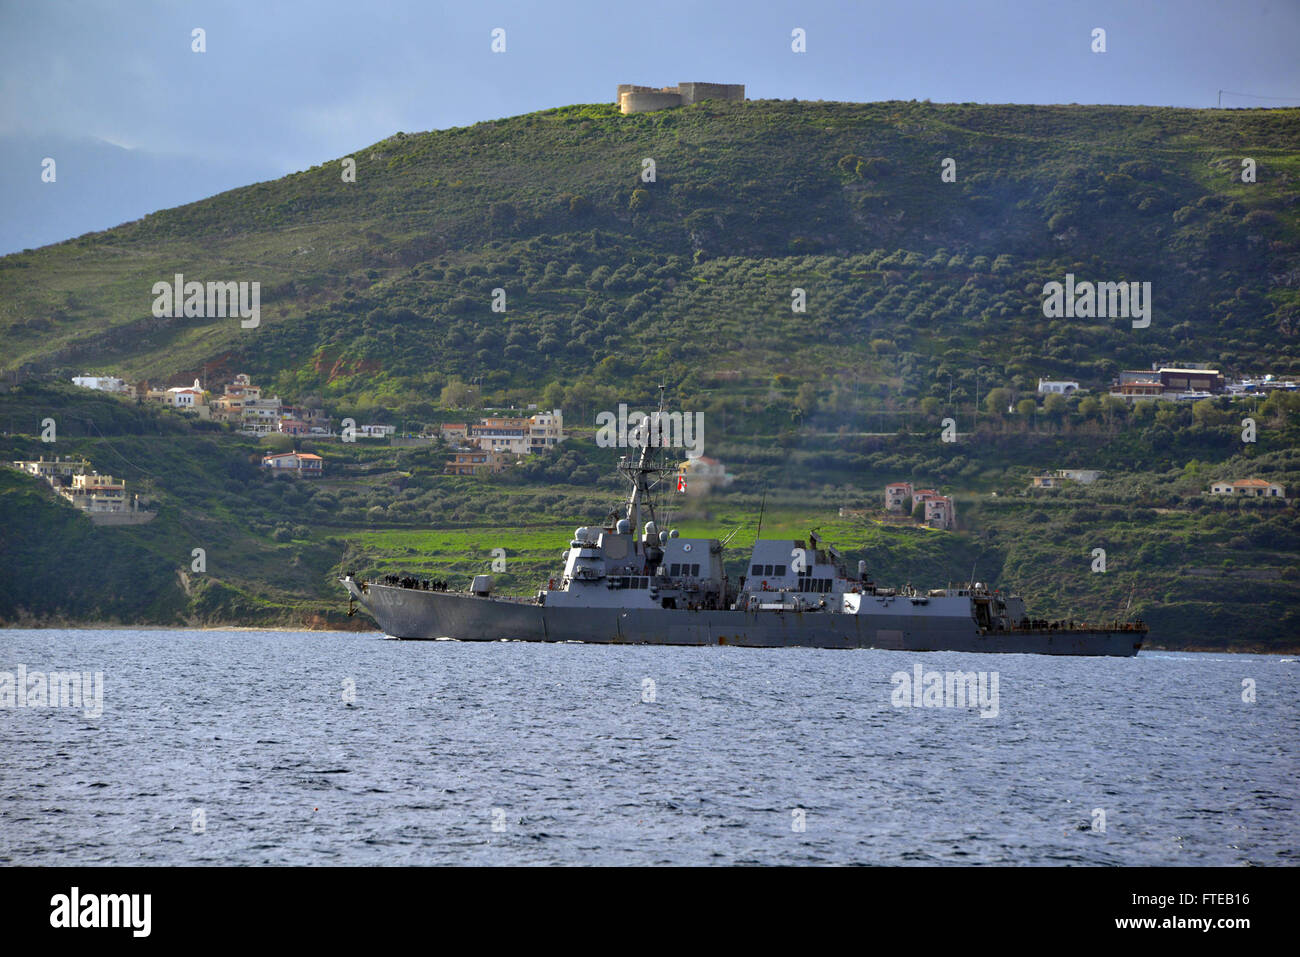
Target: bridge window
(674, 569)
(779, 571)
(767, 570)
(695, 570)
(756, 571)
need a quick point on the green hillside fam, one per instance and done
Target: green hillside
(923, 301)
(909, 280)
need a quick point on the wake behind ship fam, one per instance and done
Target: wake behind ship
(653, 587)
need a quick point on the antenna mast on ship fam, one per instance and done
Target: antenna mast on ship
(644, 467)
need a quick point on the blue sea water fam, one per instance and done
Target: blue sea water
(343, 748)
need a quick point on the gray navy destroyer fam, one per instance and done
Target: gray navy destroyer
(629, 583)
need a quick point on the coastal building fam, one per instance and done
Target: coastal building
(1057, 386)
(260, 416)
(940, 512)
(102, 383)
(1141, 389)
(56, 471)
(92, 492)
(241, 387)
(476, 461)
(243, 405)
(898, 497)
(102, 497)
(545, 430)
(503, 434)
(1197, 379)
(1251, 487)
(517, 435)
(299, 464)
(1187, 380)
(183, 398)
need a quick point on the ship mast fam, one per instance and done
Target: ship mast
(640, 473)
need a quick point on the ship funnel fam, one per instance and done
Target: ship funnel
(862, 570)
(663, 538)
(673, 533)
(651, 531)
(624, 527)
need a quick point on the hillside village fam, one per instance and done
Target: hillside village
(102, 497)
(493, 443)
(487, 446)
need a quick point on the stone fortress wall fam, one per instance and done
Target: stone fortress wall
(640, 99)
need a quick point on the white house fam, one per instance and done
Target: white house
(1059, 386)
(101, 383)
(186, 397)
(294, 463)
(1252, 488)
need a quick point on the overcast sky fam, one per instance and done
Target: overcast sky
(137, 121)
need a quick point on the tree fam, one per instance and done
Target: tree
(455, 395)
(996, 401)
(1204, 413)
(553, 396)
(1055, 406)
(1113, 406)
(1026, 407)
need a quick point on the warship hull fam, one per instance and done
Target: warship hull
(893, 625)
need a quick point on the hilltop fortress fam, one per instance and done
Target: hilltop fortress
(642, 99)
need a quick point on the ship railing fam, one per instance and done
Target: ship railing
(1048, 626)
